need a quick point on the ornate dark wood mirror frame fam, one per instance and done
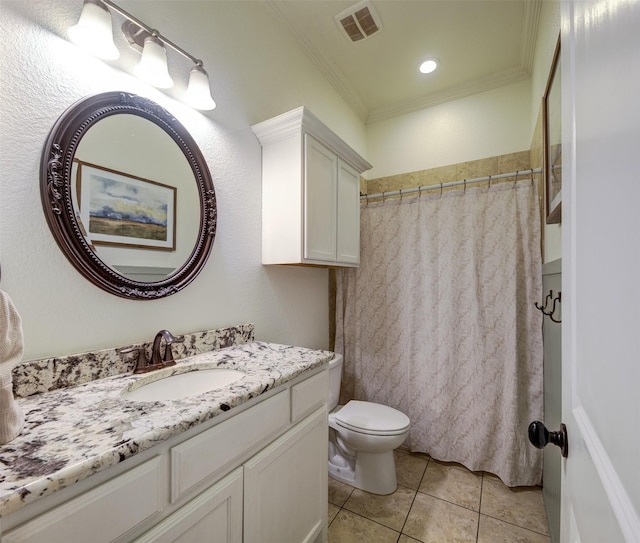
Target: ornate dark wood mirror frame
(56, 192)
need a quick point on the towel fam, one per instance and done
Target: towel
(11, 349)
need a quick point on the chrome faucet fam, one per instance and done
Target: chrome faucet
(157, 360)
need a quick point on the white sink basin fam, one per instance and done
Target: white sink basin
(183, 385)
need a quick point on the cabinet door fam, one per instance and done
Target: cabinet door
(320, 186)
(215, 516)
(285, 486)
(348, 240)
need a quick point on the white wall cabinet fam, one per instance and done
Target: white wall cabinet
(256, 476)
(310, 193)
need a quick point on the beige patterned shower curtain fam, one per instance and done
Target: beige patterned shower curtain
(439, 321)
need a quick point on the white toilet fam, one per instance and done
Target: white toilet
(362, 437)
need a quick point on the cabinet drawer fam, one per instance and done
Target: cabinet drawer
(130, 499)
(309, 395)
(209, 453)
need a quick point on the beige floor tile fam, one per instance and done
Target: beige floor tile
(453, 484)
(390, 510)
(436, 521)
(338, 492)
(348, 527)
(457, 466)
(410, 469)
(406, 539)
(522, 506)
(488, 475)
(495, 531)
(333, 511)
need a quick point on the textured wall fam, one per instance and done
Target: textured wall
(41, 75)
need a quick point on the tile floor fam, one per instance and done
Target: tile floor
(437, 502)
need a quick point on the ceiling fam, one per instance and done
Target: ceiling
(480, 45)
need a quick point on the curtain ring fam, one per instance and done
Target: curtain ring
(441, 187)
(366, 199)
(420, 192)
(465, 186)
(401, 195)
(383, 196)
(489, 181)
(516, 180)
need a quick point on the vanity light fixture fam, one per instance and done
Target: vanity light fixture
(95, 26)
(428, 66)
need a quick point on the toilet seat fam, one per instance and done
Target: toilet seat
(372, 418)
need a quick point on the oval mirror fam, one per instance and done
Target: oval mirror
(128, 196)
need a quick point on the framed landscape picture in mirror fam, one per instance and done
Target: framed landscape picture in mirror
(552, 144)
(124, 210)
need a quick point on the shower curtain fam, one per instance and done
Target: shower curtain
(439, 322)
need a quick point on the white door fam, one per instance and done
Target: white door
(601, 270)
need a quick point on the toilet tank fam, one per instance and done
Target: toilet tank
(335, 378)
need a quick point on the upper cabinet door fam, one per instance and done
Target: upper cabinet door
(320, 205)
(348, 234)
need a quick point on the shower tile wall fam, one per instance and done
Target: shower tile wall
(453, 172)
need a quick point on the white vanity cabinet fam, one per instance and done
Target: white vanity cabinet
(310, 193)
(257, 474)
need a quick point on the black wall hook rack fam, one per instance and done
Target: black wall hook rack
(554, 301)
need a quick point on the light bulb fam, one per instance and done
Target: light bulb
(428, 66)
(198, 94)
(93, 32)
(153, 64)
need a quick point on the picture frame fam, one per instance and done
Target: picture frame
(552, 141)
(122, 210)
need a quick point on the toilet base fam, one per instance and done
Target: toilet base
(373, 472)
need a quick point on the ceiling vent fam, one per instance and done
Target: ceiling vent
(359, 22)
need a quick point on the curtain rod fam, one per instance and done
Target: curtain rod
(451, 184)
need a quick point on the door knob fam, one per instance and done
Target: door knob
(540, 437)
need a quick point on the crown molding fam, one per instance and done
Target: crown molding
(530, 23)
(506, 77)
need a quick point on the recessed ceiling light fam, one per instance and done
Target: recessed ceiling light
(428, 66)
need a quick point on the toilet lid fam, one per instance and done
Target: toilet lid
(372, 418)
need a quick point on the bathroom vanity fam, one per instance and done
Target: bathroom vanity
(247, 462)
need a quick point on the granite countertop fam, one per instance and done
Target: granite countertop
(72, 433)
